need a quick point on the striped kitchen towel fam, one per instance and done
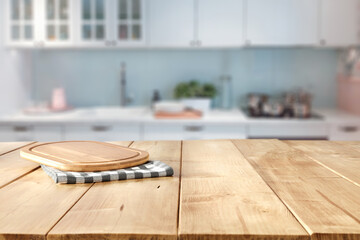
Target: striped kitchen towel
(147, 170)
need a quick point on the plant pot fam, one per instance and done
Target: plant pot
(200, 104)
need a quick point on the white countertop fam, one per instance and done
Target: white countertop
(143, 114)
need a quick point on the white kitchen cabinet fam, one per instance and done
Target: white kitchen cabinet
(30, 132)
(171, 23)
(129, 22)
(103, 132)
(21, 19)
(281, 22)
(110, 23)
(339, 22)
(57, 22)
(288, 129)
(220, 23)
(44, 133)
(345, 132)
(39, 23)
(193, 131)
(93, 23)
(17, 132)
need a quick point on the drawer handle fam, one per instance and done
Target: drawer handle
(194, 128)
(100, 128)
(349, 129)
(21, 129)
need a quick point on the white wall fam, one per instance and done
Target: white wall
(15, 74)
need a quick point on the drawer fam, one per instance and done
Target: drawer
(289, 130)
(103, 132)
(193, 131)
(345, 132)
(16, 132)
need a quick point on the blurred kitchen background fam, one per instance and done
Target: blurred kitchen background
(179, 69)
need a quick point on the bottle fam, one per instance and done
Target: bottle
(155, 98)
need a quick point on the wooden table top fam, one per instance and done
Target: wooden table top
(222, 189)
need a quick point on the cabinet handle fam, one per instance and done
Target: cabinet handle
(21, 128)
(193, 128)
(100, 128)
(349, 129)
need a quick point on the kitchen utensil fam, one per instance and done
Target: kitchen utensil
(84, 156)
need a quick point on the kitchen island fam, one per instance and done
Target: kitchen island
(221, 189)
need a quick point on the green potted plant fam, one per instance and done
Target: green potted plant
(195, 95)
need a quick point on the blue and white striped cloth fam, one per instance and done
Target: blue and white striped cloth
(149, 169)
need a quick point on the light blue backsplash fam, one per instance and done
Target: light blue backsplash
(91, 77)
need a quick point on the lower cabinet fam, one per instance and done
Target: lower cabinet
(345, 132)
(28, 132)
(288, 130)
(193, 131)
(103, 132)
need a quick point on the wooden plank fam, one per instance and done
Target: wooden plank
(337, 157)
(6, 147)
(222, 197)
(326, 204)
(133, 209)
(33, 204)
(12, 167)
(353, 144)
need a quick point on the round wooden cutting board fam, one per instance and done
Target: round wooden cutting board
(84, 156)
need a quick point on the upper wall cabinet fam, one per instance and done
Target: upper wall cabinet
(282, 22)
(195, 23)
(38, 23)
(93, 23)
(339, 22)
(172, 23)
(57, 25)
(110, 23)
(220, 23)
(129, 22)
(21, 22)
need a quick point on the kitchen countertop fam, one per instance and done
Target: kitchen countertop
(239, 189)
(145, 115)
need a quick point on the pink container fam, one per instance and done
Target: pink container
(349, 94)
(58, 102)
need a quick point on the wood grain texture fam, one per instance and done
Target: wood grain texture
(133, 209)
(338, 157)
(6, 147)
(84, 156)
(353, 144)
(12, 167)
(33, 204)
(222, 197)
(326, 204)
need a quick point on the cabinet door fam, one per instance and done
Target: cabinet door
(129, 22)
(93, 26)
(58, 22)
(171, 23)
(103, 132)
(220, 23)
(339, 22)
(281, 22)
(21, 18)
